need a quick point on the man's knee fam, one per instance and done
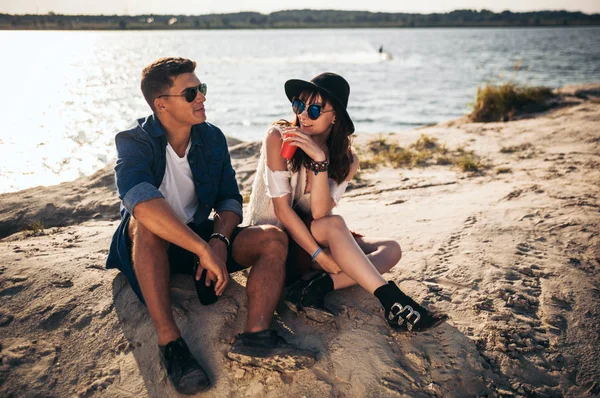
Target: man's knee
(275, 239)
(273, 242)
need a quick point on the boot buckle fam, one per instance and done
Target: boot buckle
(400, 318)
(409, 324)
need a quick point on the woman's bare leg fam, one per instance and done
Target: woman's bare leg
(401, 311)
(332, 231)
(384, 254)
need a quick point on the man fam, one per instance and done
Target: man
(172, 169)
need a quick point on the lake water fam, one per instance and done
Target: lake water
(66, 94)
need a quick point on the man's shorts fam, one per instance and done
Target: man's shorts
(181, 261)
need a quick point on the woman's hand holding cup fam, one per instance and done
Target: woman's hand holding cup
(295, 138)
(287, 148)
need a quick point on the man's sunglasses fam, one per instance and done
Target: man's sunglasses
(313, 111)
(189, 93)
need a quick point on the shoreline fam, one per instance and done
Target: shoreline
(301, 19)
(510, 251)
(60, 212)
(162, 29)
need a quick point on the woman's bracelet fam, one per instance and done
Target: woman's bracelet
(315, 254)
(317, 167)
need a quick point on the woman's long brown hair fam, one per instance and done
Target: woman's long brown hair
(338, 143)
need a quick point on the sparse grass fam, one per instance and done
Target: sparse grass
(421, 158)
(503, 170)
(35, 228)
(378, 145)
(495, 103)
(515, 148)
(442, 149)
(417, 153)
(367, 163)
(423, 152)
(460, 150)
(468, 163)
(425, 142)
(246, 197)
(443, 160)
(400, 157)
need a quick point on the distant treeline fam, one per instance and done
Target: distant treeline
(300, 19)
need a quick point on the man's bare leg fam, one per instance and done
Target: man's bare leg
(151, 265)
(264, 248)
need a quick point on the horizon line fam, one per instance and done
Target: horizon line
(310, 9)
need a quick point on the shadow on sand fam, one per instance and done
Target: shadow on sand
(358, 356)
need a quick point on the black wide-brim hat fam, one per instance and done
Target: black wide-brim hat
(333, 86)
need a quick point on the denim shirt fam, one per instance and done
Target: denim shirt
(141, 164)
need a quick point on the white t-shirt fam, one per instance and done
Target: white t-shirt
(178, 185)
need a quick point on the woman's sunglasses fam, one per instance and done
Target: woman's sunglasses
(189, 93)
(313, 111)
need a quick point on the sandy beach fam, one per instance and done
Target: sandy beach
(511, 252)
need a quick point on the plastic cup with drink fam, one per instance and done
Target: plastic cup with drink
(287, 149)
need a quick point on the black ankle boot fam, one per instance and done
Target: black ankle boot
(313, 298)
(293, 294)
(404, 313)
(308, 296)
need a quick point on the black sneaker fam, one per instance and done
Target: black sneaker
(269, 350)
(185, 372)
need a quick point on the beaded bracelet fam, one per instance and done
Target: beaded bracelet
(318, 167)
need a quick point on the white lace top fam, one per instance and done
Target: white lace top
(270, 184)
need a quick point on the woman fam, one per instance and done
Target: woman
(298, 194)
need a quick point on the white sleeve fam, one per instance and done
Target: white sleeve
(277, 182)
(337, 191)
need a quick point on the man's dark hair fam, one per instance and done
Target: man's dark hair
(158, 76)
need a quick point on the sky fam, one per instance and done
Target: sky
(198, 7)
